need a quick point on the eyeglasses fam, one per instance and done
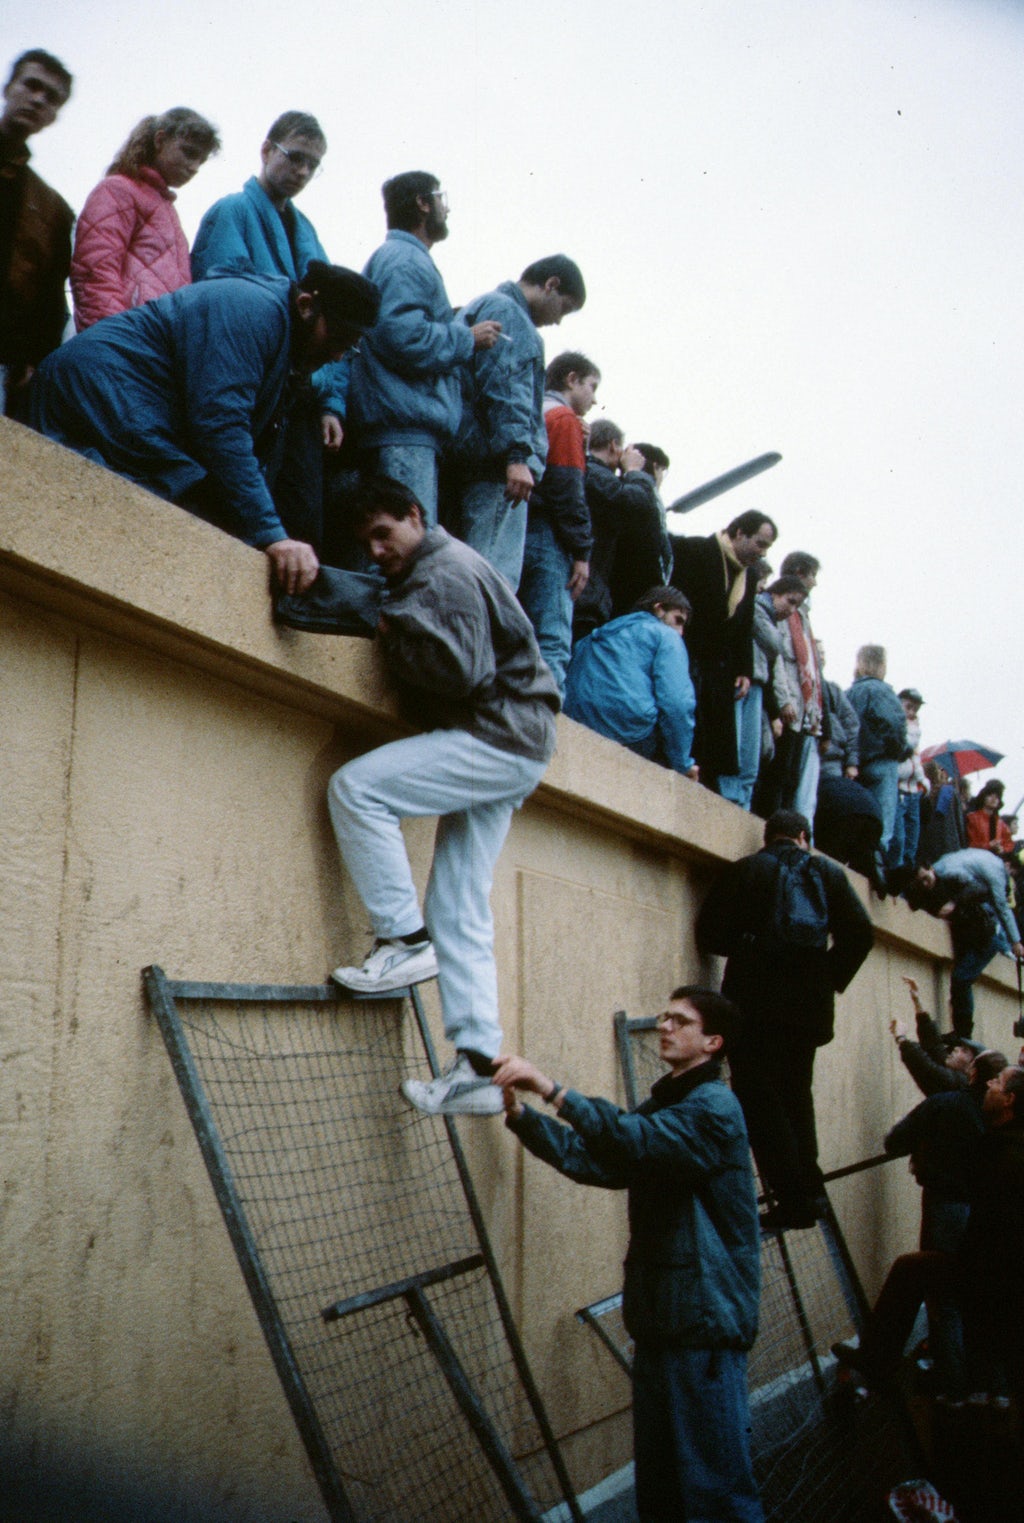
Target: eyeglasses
(300, 160)
(442, 196)
(673, 1021)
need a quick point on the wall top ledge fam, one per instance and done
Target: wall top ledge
(98, 550)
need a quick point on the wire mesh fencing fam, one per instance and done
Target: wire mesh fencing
(356, 1228)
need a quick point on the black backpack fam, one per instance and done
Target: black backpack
(797, 916)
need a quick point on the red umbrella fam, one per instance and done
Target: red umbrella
(959, 757)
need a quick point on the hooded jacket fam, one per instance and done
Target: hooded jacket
(176, 390)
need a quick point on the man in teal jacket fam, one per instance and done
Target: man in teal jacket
(259, 231)
(690, 1298)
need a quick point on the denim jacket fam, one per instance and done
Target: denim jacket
(503, 389)
(693, 1263)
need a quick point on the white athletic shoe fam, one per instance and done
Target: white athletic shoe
(458, 1092)
(391, 965)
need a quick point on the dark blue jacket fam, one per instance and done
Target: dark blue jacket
(503, 390)
(176, 390)
(883, 724)
(405, 385)
(693, 1264)
(244, 234)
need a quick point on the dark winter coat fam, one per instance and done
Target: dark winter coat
(792, 988)
(693, 1262)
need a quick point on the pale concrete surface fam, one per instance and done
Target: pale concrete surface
(165, 755)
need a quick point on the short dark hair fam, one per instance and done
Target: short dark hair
(382, 494)
(986, 1065)
(653, 455)
(663, 597)
(799, 563)
(749, 524)
(1015, 1086)
(603, 433)
(45, 61)
(784, 584)
(299, 122)
(349, 302)
(786, 825)
(994, 785)
(562, 268)
(402, 194)
(718, 1015)
(572, 362)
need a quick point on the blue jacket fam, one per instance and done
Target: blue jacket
(693, 1263)
(883, 724)
(405, 377)
(974, 867)
(503, 390)
(178, 389)
(245, 234)
(630, 680)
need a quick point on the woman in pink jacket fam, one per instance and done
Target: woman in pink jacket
(129, 243)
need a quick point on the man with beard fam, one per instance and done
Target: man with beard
(404, 393)
(715, 574)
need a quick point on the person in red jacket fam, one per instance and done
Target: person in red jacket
(129, 243)
(556, 557)
(985, 826)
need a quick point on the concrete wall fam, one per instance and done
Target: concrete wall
(165, 753)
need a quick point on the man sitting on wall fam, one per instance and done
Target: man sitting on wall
(180, 395)
(690, 1299)
(469, 672)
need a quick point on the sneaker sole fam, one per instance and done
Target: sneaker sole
(353, 978)
(475, 1103)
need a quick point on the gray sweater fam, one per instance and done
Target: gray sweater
(463, 653)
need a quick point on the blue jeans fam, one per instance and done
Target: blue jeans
(906, 832)
(415, 465)
(881, 779)
(691, 1436)
(739, 786)
(474, 788)
(494, 526)
(544, 594)
(967, 967)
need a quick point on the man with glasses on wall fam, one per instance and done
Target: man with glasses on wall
(405, 396)
(259, 231)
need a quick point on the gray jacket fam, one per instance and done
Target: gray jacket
(841, 746)
(463, 653)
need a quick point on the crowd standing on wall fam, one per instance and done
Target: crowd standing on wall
(325, 416)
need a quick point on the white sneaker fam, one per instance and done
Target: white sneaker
(458, 1092)
(391, 965)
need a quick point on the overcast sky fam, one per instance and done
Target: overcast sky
(799, 221)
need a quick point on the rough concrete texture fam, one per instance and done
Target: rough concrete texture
(165, 757)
